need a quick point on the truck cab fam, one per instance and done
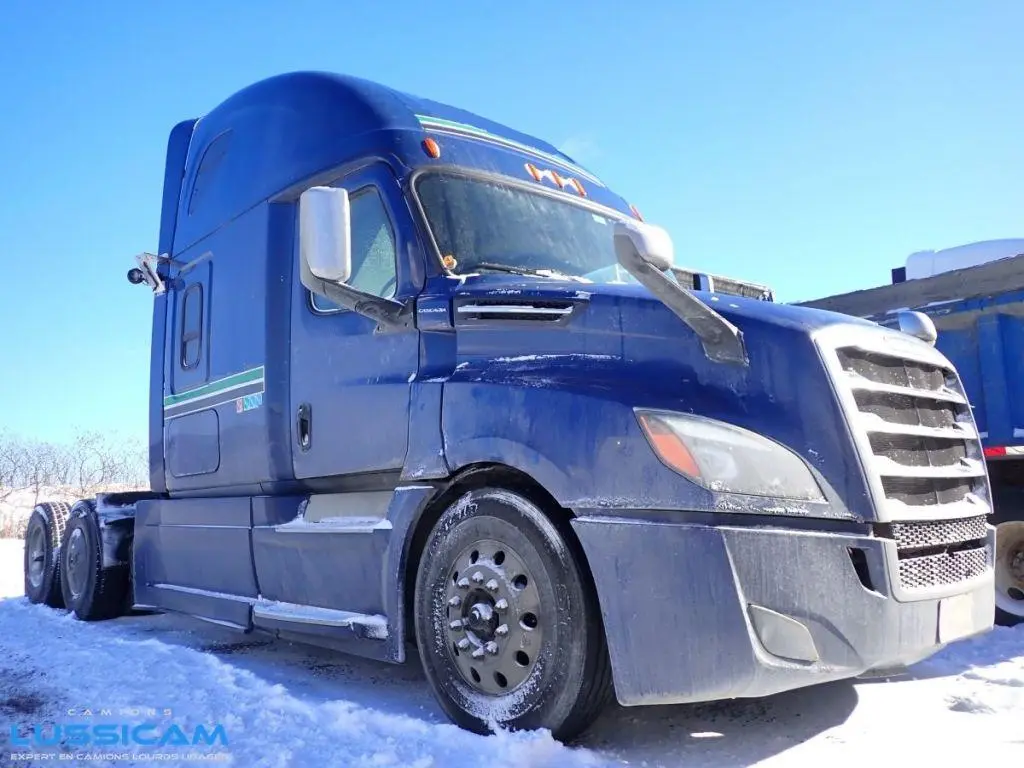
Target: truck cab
(422, 383)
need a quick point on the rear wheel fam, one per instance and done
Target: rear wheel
(91, 591)
(43, 538)
(508, 626)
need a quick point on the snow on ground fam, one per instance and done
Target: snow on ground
(288, 705)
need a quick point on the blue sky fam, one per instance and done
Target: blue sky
(811, 146)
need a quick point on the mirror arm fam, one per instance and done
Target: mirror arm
(388, 313)
(722, 341)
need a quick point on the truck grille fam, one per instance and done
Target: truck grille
(922, 457)
(942, 570)
(917, 536)
(938, 553)
(918, 427)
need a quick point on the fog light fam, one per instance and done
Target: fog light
(782, 635)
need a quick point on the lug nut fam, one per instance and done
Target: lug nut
(492, 585)
(478, 653)
(478, 578)
(492, 648)
(463, 644)
(463, 583)
(502, 630)
(502, 605)
(457, 624)
(455, 601)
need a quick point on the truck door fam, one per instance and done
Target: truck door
(350, 382)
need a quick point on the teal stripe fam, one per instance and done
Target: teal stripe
(245, 377)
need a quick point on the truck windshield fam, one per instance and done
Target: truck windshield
(484, 225)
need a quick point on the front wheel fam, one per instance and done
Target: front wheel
(508, 627)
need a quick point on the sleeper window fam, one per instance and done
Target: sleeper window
(373, 248)
(192, 326)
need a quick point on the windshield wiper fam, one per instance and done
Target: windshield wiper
(505, 268)
(496, 267)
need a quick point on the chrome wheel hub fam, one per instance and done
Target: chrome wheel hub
(78, 563)
(494, 617)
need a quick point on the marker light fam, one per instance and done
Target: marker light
(557, 179)
(432, 148)
(636, 212)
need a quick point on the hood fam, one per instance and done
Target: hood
(621, 343)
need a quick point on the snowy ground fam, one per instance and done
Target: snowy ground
(287, 705)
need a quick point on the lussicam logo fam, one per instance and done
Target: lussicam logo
(119, 735)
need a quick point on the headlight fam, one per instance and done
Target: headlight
(726, 458)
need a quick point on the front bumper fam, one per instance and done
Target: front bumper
(700, 612)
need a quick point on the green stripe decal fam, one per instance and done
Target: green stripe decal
(214, 387)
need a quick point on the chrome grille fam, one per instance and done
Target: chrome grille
(918, 427)
(921, 453)
(917, 451)
(942, 569)
(895, 371)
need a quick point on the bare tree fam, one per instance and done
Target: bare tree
(91, 463)
(10, 465)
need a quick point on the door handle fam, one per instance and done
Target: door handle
(304, 426)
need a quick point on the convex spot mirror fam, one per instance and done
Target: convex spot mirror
(325, 234)
(919, 325)
(637, 242)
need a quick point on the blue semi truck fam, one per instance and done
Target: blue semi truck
(974, 294)
(422, 384)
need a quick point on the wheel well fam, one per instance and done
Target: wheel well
(480, 476)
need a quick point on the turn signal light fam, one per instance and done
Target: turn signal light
(669, 447)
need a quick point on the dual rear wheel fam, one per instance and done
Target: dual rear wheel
(64, 565)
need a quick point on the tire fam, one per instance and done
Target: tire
(91, 592)
(529, 651)
(43, 538)
(1009, 566)
(1008, 517)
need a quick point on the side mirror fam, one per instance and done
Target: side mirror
(637, 242)
(646, 252)
(325, 235)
